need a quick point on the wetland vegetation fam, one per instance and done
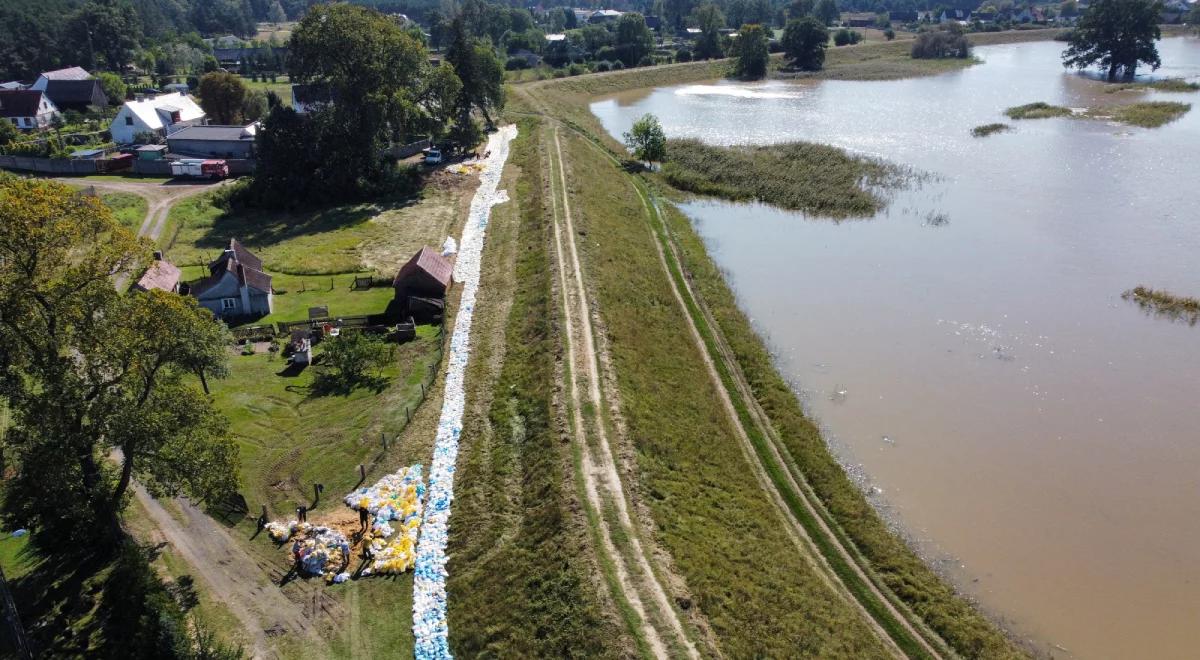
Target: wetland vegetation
(1165, 304)
(990, 129)
(1038, 110)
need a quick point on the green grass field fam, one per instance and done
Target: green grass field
(129, 209)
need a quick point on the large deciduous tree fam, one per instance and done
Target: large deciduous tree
(222, 95)
(827, 11)
(103, 33)
(91, 375)
(710, 21)
(804, 42)
(479, 70)
(1118, 35)
(750, 52)
(633, 41)
(646, 139)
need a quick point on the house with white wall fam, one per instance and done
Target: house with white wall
(27, 109)
(236, 285)
(160, 115)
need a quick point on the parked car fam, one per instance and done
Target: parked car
(433, 156)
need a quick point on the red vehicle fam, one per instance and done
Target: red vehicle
(214, 169)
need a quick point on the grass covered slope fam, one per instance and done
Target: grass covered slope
(803, 176)
(520, 578)
(761, 596)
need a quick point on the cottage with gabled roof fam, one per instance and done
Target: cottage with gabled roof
(161, 115)
(69, 73)
(236, 285)
(77, 94)
(161, 275)
(422, 284)
(27, 109)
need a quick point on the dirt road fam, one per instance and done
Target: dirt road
(637, 579)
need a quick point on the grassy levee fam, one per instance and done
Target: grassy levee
(886, 555)
(761, 597)
(519, 576)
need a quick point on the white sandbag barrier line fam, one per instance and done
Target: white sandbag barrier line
(429, 585)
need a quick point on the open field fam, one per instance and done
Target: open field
(281, 86)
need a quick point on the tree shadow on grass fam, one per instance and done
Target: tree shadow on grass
(262, 228)
(329, 385)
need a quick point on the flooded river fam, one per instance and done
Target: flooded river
(1027, 426)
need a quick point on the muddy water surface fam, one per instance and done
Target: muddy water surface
(1022, 421)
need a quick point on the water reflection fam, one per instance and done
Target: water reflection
(969, 346)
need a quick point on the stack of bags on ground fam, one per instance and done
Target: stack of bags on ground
(395, 501)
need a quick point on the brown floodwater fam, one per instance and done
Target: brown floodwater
(1036, 435)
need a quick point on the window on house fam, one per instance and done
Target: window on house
(129, 120)
(228, 303)
(28, 121)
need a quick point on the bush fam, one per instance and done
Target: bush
(844, 37)
(941, 44)
(516, 64)
(646, 61)
(608, 53)
(889, 34)
(618, 65)
(603, 65)
(577, 69)
(683, 55)
(560, 73)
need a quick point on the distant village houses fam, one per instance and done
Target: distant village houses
(27, 109)
(159, 116)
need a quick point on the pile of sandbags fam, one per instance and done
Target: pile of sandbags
(320, 551)
(429, 585)
(395, 501)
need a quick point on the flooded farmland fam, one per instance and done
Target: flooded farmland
(968, 346)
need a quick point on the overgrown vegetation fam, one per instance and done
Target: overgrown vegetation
(1165, 304)
(947, 43)
(990, 129)
(1151, 114)
(1178, 85)
(804, 176)
(1038, 110)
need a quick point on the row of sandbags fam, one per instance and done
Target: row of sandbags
(429, 586)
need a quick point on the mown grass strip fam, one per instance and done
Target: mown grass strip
(519, 573)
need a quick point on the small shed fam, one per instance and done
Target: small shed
(152, 152)
(422, 284)
(161, 275)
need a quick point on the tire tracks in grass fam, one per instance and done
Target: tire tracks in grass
(658, 625)
(811, 525)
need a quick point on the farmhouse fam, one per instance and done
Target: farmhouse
(161, 115)
(422, 283)
(76, 94)
(27, 109)
(70, 73)
(161, 275)
(214, 141)
(236, 284)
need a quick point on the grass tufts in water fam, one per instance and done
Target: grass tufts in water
(1151, 114)
(988, 129)
(802, 176)
(1165, 85)
(1165, 304)
(1037, 110)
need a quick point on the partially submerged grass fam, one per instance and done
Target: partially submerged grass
(1166, 85)
(1039, 110)
(990, 129)
(1151, 114)
(803, 176)
(1165, 304)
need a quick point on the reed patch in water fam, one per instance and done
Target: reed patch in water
(1151, 114)
(988, 129)
(1039, 110)
(1165, 85)
(1165, 304)
(803, 176)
